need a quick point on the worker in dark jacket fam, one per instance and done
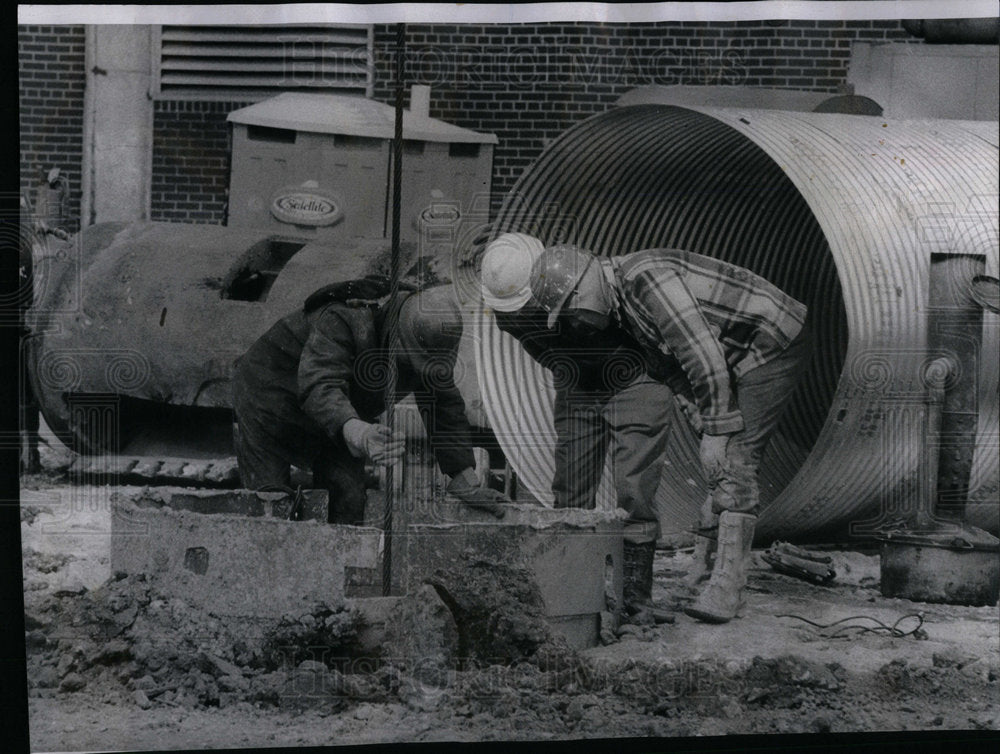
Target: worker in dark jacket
(724, 339)
(32, 239)
(309, 391)
(603, 398)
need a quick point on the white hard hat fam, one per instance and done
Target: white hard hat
(506, 270)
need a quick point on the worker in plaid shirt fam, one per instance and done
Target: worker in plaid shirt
(729, 344)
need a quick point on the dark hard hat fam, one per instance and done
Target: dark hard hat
(555, 275)
(430, 320)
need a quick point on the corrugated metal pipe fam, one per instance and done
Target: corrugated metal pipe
(845, 213)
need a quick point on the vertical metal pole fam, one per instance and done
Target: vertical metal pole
(392, 322)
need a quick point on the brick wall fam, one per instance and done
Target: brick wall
(190, 160)
(51, 80)
(527, 83)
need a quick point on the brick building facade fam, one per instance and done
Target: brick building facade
(524, 82)
(51, 83)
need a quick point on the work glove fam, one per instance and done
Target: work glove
(375, 442)
(690, 411)
(464, 486)
(713, 455)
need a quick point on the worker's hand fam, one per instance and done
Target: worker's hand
(690, 412)
(375, 442)
(465, 487)
(713, 455)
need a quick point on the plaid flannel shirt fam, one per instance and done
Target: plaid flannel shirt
(702, 319)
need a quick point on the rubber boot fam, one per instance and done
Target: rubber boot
(704, 545)
(722, 597)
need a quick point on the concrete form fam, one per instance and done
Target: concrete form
(577, 563)
(238, 554)
(575, 555)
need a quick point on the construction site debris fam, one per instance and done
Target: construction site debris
(155, 665)
(499, 613)
(799, 562)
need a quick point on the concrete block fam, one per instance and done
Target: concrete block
(314, 506)
(575, 556)
(236, 564)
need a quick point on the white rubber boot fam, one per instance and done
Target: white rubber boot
(722, 597)
(704, 546)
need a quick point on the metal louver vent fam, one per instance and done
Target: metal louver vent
(253, 62)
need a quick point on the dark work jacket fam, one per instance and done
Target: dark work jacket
(312, 372)
(595, 367)
(587, 371)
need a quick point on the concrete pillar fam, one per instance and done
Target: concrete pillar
(118, 124)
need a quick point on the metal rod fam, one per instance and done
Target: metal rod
(392, 321)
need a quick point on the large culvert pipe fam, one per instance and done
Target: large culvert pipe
(845, 213)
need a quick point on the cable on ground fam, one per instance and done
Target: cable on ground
(844, 631)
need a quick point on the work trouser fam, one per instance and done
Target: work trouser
(28, 413)
(265, 460)
(635, 421)
(761, 395)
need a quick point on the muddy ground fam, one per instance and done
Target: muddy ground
(114, 665)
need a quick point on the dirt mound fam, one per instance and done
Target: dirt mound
(325, 634)
(44, 562)
(124, 641)
(122, 638)
(470, 656)
(124, 644)
(499, 614)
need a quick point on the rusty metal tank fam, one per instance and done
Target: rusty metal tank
(848, 214)
(135, 328)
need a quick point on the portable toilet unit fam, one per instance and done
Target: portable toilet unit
(319, 166)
